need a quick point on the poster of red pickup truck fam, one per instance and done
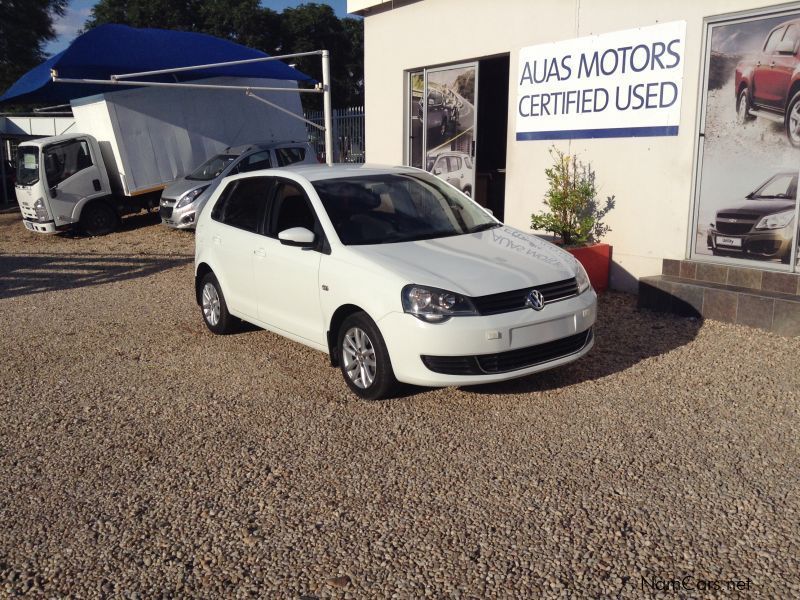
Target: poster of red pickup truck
(747, 188)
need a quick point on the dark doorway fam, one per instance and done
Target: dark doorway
(490, 154)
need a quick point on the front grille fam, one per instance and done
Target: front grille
(165, 212)
(511, 360)
(516, 299)
(743, 222)
(733, 228)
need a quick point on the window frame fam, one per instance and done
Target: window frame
(224, 197)
(321, 243)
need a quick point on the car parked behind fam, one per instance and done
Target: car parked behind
(456, 169)
(395, 274)
(183, 200)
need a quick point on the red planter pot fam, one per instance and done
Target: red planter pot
(596, 259)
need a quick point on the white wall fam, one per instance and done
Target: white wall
(650, 177)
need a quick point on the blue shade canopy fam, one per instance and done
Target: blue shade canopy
(117, 49)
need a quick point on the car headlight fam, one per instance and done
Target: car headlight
(41, 210)
(434, 305)
(581, 278)
(190, 196)
(776, 221)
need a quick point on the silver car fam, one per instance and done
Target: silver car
(182, 200)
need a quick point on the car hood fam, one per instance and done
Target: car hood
(476, 264)
(179, 187)
(760, 207)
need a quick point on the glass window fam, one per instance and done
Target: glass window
(792, 35)
(290, 209)
(212, 168)
(782, 186)
(416, 85)
(772, 40)
(398, 207)
(254, 162)
(289, 156)
(27, 165)
(62, 161)
(242, 203)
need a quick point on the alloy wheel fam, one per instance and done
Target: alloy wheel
(794, 123)
(211, 304)
(358, 355)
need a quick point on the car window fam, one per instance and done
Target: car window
(212, 168)
(783, 185)
(792, 35)
(288, 156)
(62, 161)
(27, 165)
(397, 207)
(468, 162)
(290, 208)
(441, 164)
(254, 162)
(455, 163)
(772, 41)
(243, 203)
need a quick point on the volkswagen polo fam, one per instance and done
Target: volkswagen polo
(395, 274)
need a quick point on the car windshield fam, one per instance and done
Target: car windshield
(27, 165)
(783, 185)
(398, 207)
(212, 167)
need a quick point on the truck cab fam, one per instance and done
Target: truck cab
(62, 181)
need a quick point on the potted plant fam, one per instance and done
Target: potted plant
(575, 215)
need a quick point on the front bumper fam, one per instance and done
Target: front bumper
(772, 243)
(463, 339)
(39, 227)
(181, 218)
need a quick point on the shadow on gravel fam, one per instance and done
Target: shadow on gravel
(21, 275)
(624, 336)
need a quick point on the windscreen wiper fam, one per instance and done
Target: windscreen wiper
(484, 227)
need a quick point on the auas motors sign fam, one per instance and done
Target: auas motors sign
(621, 84)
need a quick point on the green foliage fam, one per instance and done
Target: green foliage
(302, 29)
(575, 214)
(25, 25)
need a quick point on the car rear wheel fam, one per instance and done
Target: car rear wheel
(98, 218)
(215, 310)
(364, 359)
(743, 115)
(793, 121)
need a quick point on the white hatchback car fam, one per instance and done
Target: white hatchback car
(394, 273)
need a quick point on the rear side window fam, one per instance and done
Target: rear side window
(773, 40)
(254, 162)
(243, 203)
(62, 161)
(792, 35)
(288, 156)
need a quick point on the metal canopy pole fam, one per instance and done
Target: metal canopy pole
(280, 108)
(325, 90)
(326, 105)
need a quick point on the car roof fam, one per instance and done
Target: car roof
(318, 172)
(237, 150)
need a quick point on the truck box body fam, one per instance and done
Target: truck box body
(151, 136)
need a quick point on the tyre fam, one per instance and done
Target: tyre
(364, 359)
(468, 192)
(98, 218)
(215, 310)
(743, 115)
(792, 121)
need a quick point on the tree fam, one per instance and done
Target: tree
(302, 29)
(25, 25)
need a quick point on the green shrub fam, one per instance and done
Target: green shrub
(574, 213)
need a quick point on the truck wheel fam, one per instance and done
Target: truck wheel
(793, 121)
(215, 309)
(98, 218)
(364, 359)
(743, 115)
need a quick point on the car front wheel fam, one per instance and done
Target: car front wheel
(215, 310)
(364, 359)
(793, 121)
(743, 115)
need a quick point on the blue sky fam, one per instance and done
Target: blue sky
(78, 11)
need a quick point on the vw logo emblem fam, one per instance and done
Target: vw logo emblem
(535, 300)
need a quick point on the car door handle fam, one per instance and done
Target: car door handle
(260, 252)
(772, 64)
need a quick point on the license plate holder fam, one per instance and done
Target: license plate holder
(731, 242)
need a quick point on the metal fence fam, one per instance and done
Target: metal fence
(348, 134)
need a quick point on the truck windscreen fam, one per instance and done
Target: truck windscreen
(27, 165)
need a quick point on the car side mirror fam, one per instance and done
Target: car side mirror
(437, 171)
(785, 47)
(54, 192)
(430, 101)
(297, 236)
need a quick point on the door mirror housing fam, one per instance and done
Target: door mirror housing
(54, 191)
(297, 236)
(437, 171)
(785, 47)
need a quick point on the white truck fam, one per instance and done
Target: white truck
(132, 143)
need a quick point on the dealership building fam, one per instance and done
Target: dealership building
(687, 111)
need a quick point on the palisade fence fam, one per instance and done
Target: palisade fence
(348, 134)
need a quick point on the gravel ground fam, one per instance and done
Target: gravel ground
(140, 456)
